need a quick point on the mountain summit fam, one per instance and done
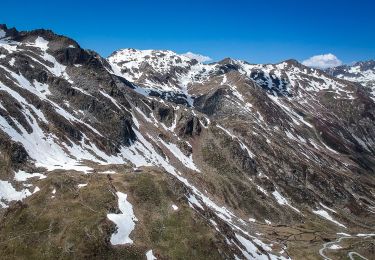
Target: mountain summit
(153, 154)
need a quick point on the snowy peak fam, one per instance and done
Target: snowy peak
(168, 71)
(159, 58)
(135, 64)
(365, 65)
(155, 72)
(362, 72)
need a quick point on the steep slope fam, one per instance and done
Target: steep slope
(52, 105)
(222, 160)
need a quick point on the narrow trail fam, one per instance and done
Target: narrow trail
(337, 241)
(350, 254)
(326, 245)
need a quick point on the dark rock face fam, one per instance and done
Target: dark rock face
(189, 126)
(165, 114)
(70, 56)
(177, 98)
(209, 103)
(18, 153)
(9, 32)
(12, 156)
(127, 132)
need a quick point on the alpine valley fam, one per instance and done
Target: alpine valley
(150, 154)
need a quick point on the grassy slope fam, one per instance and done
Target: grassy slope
(74, 223)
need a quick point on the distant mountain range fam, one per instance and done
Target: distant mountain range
(152, 154)
(362, 72)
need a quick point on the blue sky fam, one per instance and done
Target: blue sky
(256, 31)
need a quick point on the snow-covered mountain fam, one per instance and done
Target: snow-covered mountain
(362, 72)
(154, 154)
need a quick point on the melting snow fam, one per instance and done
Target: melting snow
(282, 201)
(187, 161)
(150, 256)
(58, 69)
(365, 235)
(193, 201)
(111, 98)
(125, 221)
(343, 234)
(324, 206)
(325, 215)
(108, 172)
(243, 146)
(24, 176)
(251, 251)
(335, 247)
(262, 190)
(12, 61)
(8, 193)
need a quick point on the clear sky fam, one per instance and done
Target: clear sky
(256, 31)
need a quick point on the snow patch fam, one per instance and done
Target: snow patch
(150, 255)
(335, 247)
(251, 251)
(8, 193)
(112, 99)
(57, 69)
(325, 215)
(282, 201)
(12, 61)
(324, 206)
(365, 235)
(24, 176)
(186, 161)
(193, 201)
(36, 189)
(125, 221)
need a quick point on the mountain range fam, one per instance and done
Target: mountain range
(150, 154)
